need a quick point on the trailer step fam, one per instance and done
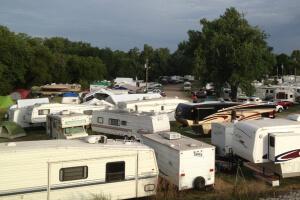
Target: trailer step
(274, 182)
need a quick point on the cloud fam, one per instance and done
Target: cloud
(124, 24)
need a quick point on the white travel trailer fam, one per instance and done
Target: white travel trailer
(183, 161)
(116, 99)
(161, 105)
(271, 143)
(77, 169)
(102, 94)
(129, 124)
(17, 112)
(67, 125)
(36, 115)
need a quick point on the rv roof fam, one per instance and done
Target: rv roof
(213, 102)
(267, 123)
(165, 99)
(67, 144)
(126, 112)
(182, 144)
(68, 115)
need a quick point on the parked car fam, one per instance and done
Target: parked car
(284, 104)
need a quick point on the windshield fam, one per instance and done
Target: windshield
(74, 130)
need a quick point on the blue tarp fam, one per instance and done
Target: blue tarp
(70, 94)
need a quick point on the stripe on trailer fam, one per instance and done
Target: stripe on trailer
(112, 127)
(290, 155)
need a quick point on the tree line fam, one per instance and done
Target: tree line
(225, 50)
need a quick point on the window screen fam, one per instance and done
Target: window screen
(115, 171)
(73, 173)
(124, 123)
(100, 120)
(44, 112)
(114, 122)
(88, 112)
(272, 141)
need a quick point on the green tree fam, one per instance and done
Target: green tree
(229, 49)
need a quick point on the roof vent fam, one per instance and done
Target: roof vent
(171, 135)
(93, 139)
(192, 145)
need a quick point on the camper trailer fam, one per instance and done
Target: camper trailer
(129, 124)
(67, 125)
(161, 105)
(205, 113)
(17, 112)
(183, 161)
(270, 143)
(77, 169)
(35, 115)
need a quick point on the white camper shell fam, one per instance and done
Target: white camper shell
(129, 124)
(116, 99)
(161, 105)
(67, 125)
(274, 143)
(185, 162)
(76, 170)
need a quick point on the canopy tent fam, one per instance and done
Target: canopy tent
(5, 101)
(20, 94)
(11, 130)
(70, 94)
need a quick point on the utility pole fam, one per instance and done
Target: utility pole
(147, 68)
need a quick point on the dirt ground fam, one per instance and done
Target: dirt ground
(176, 90)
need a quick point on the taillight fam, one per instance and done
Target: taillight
(211, 170)
(182, 174)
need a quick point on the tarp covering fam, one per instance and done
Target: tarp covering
(70, 94)
(6, 101)
(11, 130)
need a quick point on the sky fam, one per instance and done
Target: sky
(125, 24)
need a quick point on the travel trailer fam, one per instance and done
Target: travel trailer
(116, 99)
(272, 144)
(129, 124)
(183, 161)
(17, 112)
(77, 169)
(203, 114)
(161, 105)
(67, 125)
(35, 115)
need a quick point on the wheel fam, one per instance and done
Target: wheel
(132, 138)
(280, 110)
(199, 183)
(125, 137)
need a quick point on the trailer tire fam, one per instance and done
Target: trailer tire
(280, 110)
(132, 138)
(199, 183)
(125, 137)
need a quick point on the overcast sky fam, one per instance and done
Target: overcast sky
(124, 24)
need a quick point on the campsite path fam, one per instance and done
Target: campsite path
(176, 90)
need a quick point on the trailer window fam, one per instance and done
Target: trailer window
(115, 171)
(73, 173)
(74, 130)
(88, 112)
(272, 141)
(100, 120)
(44, 112)
(124, 123)
(114, 122)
